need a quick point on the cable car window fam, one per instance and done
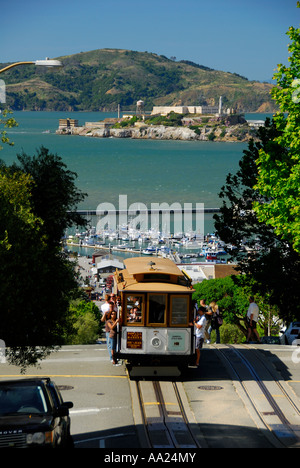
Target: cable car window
(134, 309)
(179, 310)
(156, 277)
(157, 308)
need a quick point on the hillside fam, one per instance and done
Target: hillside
(102, 79)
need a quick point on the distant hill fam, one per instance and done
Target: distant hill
(102, 79)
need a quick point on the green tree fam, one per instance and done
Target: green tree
(231, 299)
(232, 296)
(86, 325)
(85, 328)
(269, 260)
(279, 172)
(54, 194)
(15, 208)
(81, 307)
(7, 122)
(37, 281)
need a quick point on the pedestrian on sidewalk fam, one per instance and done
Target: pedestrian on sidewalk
(252, 319)
(208, 314)
(216, 321)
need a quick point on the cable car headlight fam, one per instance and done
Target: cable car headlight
(155, 342)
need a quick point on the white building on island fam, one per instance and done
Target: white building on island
(165, 110)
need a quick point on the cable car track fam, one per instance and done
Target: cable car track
(163, 415)
(273, 407)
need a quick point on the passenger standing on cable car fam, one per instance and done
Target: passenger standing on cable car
(112, 325)
(113, 298)
(105, 317)
(200, 324)
(105, 306)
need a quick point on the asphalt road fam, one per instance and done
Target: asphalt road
(102, 415)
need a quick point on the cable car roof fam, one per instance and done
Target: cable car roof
(140, 265)
(158, 274)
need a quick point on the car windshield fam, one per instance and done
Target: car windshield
(22, 399)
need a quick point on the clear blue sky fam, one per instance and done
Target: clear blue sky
(247, 37)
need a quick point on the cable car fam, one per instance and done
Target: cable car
(156, 312)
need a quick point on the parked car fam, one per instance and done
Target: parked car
(33, 414)
(291, 334)
(275, 340)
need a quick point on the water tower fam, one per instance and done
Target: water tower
(140, 108)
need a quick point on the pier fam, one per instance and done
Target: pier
(151, 211)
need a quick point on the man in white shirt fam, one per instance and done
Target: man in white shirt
(106, 310)
(252, 318)
(200, 324)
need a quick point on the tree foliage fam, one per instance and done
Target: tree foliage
(37, 281)
(232, 296)
(86, 325)
(54, 193)
(35, 278)
(269, 259)
(279, 172)
(7, 122)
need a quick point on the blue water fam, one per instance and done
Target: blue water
(146, 171)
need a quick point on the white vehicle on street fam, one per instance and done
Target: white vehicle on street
(291, 334)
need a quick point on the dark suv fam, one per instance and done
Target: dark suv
(33, 414)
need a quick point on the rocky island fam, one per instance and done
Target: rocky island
(229, 128)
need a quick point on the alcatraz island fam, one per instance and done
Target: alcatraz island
(204, 123)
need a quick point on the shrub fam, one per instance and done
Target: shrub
(85, 330)
(230, 333)
(85, 326)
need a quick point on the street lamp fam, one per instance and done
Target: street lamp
(45, 63)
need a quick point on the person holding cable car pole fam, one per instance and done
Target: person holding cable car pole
(200, 324)
(107, 309)
(112, 324)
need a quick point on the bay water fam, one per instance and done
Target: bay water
(146, 171)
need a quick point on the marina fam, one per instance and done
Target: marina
(180, 247)
(120, 212)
